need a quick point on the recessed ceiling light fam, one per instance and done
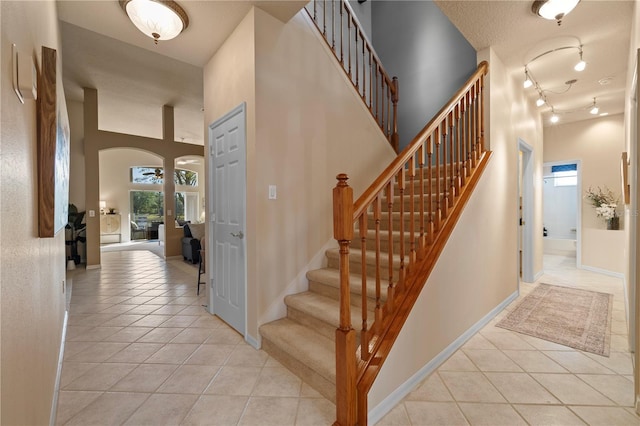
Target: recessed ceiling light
(605, 81)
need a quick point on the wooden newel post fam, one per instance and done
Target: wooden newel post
(395, 138)
(345, 334)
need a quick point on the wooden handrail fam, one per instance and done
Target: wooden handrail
(411, 213)
(363, 67)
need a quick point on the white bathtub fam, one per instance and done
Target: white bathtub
(559, 246)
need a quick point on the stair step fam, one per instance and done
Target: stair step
(308, 354)
(356, 243)
(321, 313)
(355, 262)
(326, 281)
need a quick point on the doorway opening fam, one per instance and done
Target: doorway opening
(562, 206)
(525, 197)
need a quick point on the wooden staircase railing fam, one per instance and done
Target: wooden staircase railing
(343, 33)
(418, 199)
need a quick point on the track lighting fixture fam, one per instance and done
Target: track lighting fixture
(580, 66)
(540, 101)
(527, 80)
(554, 117)
(594, 109)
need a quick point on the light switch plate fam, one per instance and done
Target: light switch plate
(272, 192)
(92, 213)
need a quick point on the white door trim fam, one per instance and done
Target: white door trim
(528, 274)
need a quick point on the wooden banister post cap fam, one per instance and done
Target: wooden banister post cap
(342, 179)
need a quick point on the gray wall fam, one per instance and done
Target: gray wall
(417, 43)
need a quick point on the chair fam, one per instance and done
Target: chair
(201, 270)
(136, 232)
(152, 231)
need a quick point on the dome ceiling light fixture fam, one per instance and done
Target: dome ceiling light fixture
(158, 19)
(553, 10)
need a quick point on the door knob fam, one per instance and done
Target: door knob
(238, 235)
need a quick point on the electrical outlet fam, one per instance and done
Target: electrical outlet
(92, 213)
(168, 212)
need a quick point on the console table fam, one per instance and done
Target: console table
(110, 228)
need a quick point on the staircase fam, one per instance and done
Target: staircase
(337, 335)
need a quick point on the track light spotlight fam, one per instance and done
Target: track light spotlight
(527, 81)
(594, 110)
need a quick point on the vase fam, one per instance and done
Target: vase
(613, 223)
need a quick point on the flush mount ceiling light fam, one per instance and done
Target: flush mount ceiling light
(553, 10)
(158, 19)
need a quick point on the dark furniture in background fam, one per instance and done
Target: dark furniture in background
(190, 246)
(152, 231)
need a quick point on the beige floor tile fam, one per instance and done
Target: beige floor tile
(434, 413)
(534, 362)
(136, 353)
(102, 377)
(234, 381)
(577, 362)
(194, 310)
(307, 391)
(431, 389)
(315, 412)
(618, 362)
(478, 342)
(192, 335)
(458, 362)
(97, 352)
(247, 356)
(160, 335)
(143, 309)
(110, 408)
(71, 403)
(491, 414)
(277, 381)
(571, 390)
(606, 416)
(189, 379)
(179, 321)
(145, 378)
(94, 334)
(619, 343)
(151, 320)
(172, 354)
(216, 410)
(544, 345)
(616, 388)
(396, 417)
(73, 370)
(73, 348)
(470, 386)
(209, 321)
(224, 336)
(162, 409)
(128, 334)
(520, 388)
(269, 411)
(491, 360)
(509, 340)
(211, 354)
(548, 415)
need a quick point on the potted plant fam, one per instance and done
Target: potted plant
(75, 232)
(605, 203)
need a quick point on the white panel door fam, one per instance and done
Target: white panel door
(227, 190)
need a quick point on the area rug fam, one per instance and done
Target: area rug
(576, 318)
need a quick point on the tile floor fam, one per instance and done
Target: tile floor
(142, 350)
(500, 377)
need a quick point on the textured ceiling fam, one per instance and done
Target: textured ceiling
(517, 36)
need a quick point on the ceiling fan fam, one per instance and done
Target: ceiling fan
(157, 173)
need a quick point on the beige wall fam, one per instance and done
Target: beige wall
(304, 126)
(32, 269)
(478, 269)
(598, 144)
(96, 140)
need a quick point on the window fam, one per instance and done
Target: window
(565, 175)
(155, 176)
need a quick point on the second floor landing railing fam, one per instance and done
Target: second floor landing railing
(393, 234)
(343, 33)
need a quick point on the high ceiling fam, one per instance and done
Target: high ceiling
(517, 36)
(102, 49)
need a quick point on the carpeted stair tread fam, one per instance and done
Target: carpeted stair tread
(322, 308)
(356, 254)
(304, 344)
(331, 277)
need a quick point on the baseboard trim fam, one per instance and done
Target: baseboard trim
(537, 276)
(379, 411)
(252, 341)
(88, 267)
(603, 271)
(56, 389)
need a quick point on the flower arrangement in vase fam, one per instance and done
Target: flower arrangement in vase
(605, 203)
